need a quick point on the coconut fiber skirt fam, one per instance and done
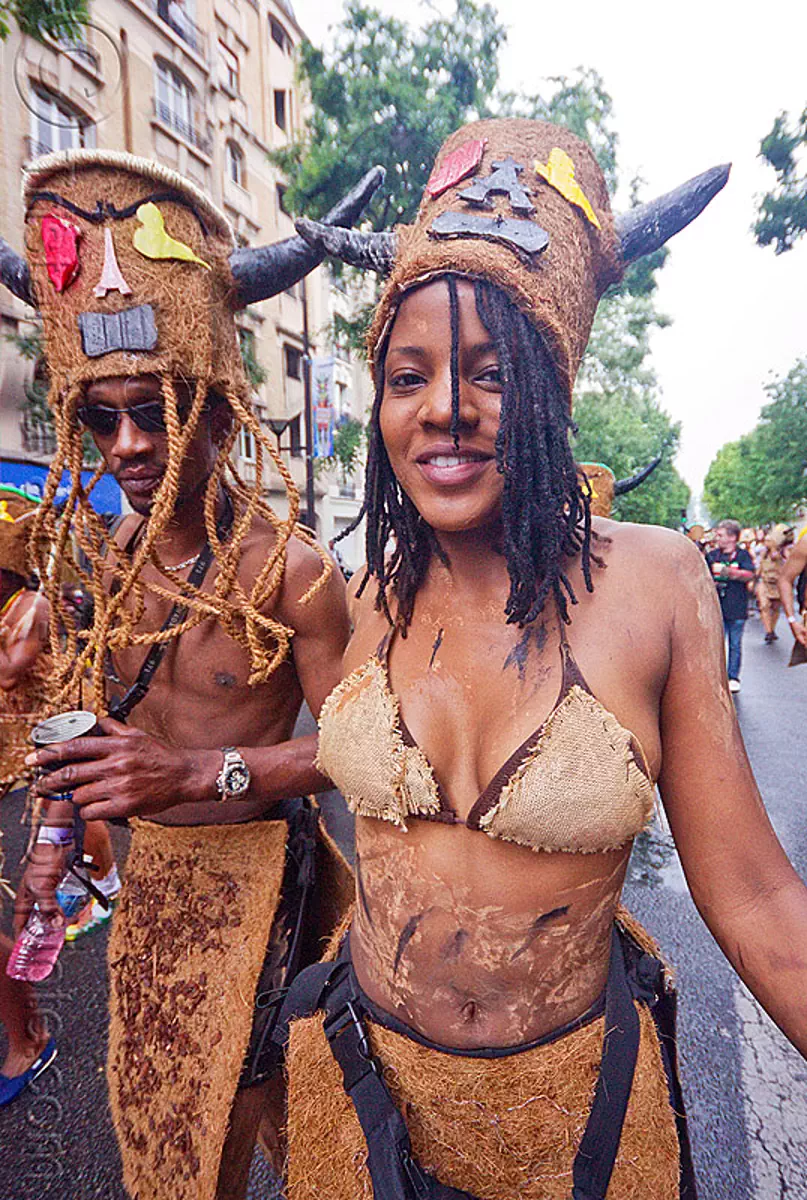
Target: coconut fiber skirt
(191, 982)
(538, 1122)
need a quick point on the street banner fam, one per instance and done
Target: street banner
(322, 389)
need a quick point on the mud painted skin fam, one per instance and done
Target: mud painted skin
(476, 942)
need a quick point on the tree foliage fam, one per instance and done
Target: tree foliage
(782, 213)
(386, 93)
(55, 18)
(761, 476)
(348, 439)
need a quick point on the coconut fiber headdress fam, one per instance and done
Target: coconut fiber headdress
(524, 205)
(135, 272)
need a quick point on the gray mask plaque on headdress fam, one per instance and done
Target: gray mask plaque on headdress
(103, 333)
(525, 237)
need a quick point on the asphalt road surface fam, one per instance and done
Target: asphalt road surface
(746, 1089)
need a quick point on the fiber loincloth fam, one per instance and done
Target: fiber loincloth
(499, 1128)
(186, 949)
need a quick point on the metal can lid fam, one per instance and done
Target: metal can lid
(63, 727)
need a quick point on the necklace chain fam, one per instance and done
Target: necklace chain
(187, 563)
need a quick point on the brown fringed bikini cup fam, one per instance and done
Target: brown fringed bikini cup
(579, 783)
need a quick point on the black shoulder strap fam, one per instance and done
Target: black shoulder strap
(121, 709)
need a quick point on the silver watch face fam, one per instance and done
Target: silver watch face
(236, 780)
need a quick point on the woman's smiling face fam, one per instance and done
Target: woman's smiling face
(453, 490)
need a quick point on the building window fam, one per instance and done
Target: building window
(228, 70)
(246, 445)
(173, 100)
(280, 109)
(57, 126)
(295, 437)
(235, 164)
(293, 361)
(279, 35)
(280, 195)
(342, 400)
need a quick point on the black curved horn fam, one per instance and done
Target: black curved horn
(621, 486)
(263, 271)
(369, 251)
(15, 275)
(644, 228)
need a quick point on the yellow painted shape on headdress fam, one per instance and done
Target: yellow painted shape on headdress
(558, 171)
(153, 241)
(5, 515)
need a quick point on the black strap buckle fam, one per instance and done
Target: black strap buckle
(348, 1018)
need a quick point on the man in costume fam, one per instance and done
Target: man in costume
(495, 1025)
(25, 667)
(196, 600)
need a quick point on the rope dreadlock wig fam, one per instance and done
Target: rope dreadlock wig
(521, 209)
(135, 272)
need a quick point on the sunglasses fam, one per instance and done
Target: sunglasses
(104, 421)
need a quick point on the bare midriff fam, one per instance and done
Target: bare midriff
(476, 943)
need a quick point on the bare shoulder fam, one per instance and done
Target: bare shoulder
(649, 552)
(313, 590)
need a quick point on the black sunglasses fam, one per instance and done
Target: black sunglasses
(104, 421)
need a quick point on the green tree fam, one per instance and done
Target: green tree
(782, 213)
(390, 94)
(386, 94)
(763, 475)
(37, 18)
(348, 439)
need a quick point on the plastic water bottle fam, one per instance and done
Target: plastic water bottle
(35, 951)
(71, 895)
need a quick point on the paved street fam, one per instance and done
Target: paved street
(746, 1089)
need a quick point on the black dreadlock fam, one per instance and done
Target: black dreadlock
(546, 515)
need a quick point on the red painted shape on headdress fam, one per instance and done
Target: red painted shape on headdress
(456, 166)
(60, 240)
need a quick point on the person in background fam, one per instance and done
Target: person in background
(794, 572)
(24, 670)
(732, 567)
(771, 561)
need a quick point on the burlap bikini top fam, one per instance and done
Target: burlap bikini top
(580, 783)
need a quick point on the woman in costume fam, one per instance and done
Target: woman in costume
(520, 677)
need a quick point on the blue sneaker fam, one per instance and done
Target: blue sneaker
(11, 1086)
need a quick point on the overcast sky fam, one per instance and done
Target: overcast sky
(694, 83)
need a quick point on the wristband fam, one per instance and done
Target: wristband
(794, 620)
(55, 835)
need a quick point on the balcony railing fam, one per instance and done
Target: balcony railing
(163, 112)
(37, 437)
(175, 18)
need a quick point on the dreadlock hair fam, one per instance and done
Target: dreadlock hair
(68, 537)
(546, 516)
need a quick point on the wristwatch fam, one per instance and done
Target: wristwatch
(234, 778)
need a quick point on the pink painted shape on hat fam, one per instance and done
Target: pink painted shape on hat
(456, 166)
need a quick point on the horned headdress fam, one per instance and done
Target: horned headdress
(134, 272)
(524, 205)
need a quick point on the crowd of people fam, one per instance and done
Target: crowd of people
(755, 569)
(469, 1012)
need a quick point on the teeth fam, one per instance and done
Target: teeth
(449, 460)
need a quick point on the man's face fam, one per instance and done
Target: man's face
(136, 457)
(726, 540)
